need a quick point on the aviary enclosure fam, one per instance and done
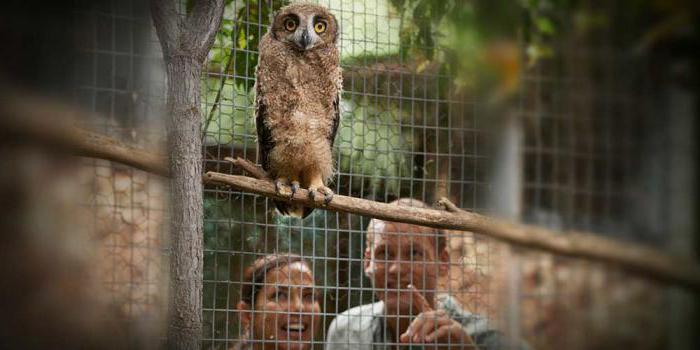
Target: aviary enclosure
(572, 117)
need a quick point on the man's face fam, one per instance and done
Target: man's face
(400, 255)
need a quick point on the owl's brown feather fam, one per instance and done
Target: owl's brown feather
(297, 108)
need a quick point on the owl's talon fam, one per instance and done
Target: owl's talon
(327, 194)
(279, 186)
(295, 187)
(327, 198)
(312, 193)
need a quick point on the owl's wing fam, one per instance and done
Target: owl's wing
(265, 143)
(336, 120)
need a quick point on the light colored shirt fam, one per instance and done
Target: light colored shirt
(364, 328)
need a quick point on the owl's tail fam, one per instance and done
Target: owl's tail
(294, 210)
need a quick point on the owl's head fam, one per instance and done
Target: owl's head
(305, 26)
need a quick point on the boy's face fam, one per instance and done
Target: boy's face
(399, 255)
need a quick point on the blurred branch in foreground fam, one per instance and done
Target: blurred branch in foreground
(635, 258)
(48, 122)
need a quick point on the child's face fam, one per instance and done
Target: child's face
(399, 255)
(287, 311)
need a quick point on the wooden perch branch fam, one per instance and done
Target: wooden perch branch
(632, 257)
(629, 256)
(252, 169)
(449, 206)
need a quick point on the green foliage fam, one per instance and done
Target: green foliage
(228, 226)
(539, 28)
(228, 113)
(442, 35)
(236, 46)
(223, 233)
(420, 20)
(449, 33)
(370, 142)
(232, 122)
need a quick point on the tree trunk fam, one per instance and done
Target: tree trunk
(185, 41)
(186, 261)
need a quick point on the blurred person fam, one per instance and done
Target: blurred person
(54, 292)
(58, 289)
(279, 306)
(404, 262)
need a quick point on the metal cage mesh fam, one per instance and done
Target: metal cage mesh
(586, 123)
(401, 136)
(119, 78)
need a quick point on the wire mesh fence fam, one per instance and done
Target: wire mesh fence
(412, 127)
(119, 77)
(586, 114)
(402, 134)
(589, 137)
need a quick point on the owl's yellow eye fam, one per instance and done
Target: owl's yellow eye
(320, 27)
(290, 24)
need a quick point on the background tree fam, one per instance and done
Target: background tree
(185, 42)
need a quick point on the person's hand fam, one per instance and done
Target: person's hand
(434, 326)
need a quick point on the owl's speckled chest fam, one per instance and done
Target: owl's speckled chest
(311, 89)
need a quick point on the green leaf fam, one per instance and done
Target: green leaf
(545, 25)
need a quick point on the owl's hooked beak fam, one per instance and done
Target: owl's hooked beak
(304, 40)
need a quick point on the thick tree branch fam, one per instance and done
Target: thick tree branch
(164, 14)
(190, 36)
(629, 256)
(252, 169)
(202, 24)
(449, 206)
(25, 117)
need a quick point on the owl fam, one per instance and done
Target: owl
(297, 102)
